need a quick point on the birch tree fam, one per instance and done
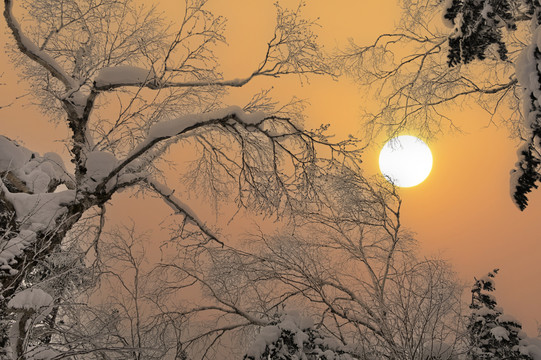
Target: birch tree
(129, 88)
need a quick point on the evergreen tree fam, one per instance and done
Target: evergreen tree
(477, 26)
(493, 335)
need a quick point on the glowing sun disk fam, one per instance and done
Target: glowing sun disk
(405, 161)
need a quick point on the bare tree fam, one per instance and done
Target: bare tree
(446, 53)
(122, 315)
(348, 265)
(129, 89)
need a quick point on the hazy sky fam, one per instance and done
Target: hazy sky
(463, 211)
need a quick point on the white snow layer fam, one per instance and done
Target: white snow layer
(500, 333)
(176, 126)
(446, 6)
(170, 128)
(31, 299)
(505, 318)
(34, 49)
(99, 164)
(267, 336)
(14, 248)
(35, 171)
(526, 69)
(123, 75)
(293, 322)
(39, 211)
(532, 347)
(12, 156)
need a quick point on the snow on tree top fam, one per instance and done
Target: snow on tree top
(37, 172)
(12, 155)
(447, 4)
(267, 336)
(532, 347)
(504, 318)
(487, 279)
(31, 299)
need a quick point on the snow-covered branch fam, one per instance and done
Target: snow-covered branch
(293, 50)
(176, 127)
(27, 47)
(180, 206)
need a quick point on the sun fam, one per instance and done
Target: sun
(405, 161)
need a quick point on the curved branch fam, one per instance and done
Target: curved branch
(28, 48)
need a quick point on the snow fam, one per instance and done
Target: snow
(446, 6)
(123, 75)
(176, 126)
(12, 156)
(487, 9)
(99, 164)
(14, 248)
(504, 318)
(500, 333)
(526, 69)
(79, 98)
(42, 353)
(526, 72)
(31, 299)
(457, 31)
(532, 347)
(39, 211)
(170, 128)
(487, 279)
(32, 48)
(35, 171)
(267, 336)
(291, 322)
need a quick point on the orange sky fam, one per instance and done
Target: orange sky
(463, 211)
